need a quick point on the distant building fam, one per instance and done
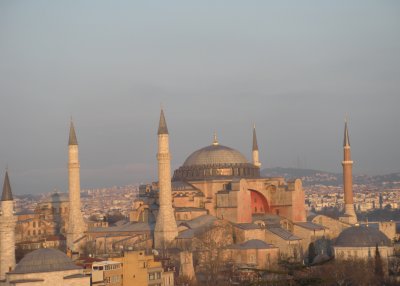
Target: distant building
(50, 218)
(107, 273)
(219, 181)
(141, 268)
(253, 253)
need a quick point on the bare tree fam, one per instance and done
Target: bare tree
(210, 245)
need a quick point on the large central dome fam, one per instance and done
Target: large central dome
(215, 154)
(216, 161)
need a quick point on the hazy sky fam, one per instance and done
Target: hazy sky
(294, 68)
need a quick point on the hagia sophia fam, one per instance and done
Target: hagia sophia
(217, 193)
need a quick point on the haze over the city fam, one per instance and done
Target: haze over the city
(293, 70)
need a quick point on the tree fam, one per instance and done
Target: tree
(210, 246)
(312, 253)
(378, 264)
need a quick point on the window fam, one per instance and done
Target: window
(158, 275)
(151, 276)
(34, 224)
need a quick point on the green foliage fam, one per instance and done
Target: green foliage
(378, 263)
(312, 253)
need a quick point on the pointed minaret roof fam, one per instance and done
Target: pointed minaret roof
(346, 140)
(255, 145)
(7, 194)
(162, 126)
(72, 136)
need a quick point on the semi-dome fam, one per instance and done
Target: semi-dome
(215, 154)
(216, 161)
(44, 260)
(359, 236)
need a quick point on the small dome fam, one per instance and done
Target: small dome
(359, 236)
(44, 260)
(215, 154)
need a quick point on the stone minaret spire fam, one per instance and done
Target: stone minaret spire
(347, 164)
(8, 222)
(256, 160)
(165, 230)
(76, 225)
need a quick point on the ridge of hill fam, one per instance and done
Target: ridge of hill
(312, 177)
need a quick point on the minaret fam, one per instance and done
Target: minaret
(76, 225)
(8, 222)
(347, 164)
(256, 160)
(165, 230)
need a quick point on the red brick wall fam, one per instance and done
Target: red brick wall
(259, 203)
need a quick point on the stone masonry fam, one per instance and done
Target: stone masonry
(8, 222)
(165, 229)
(76, 225)
(347, 163)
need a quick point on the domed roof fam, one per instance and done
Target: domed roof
(215, 154)
(359, 236)
(44, 260)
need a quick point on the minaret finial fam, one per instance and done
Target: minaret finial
(162, 126)
(72, 135)
(346, 139)
(215, 141)
(7, 194)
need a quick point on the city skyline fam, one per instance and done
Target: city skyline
(295, 77)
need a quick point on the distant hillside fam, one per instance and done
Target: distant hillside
(308, 176)
(314, 177)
